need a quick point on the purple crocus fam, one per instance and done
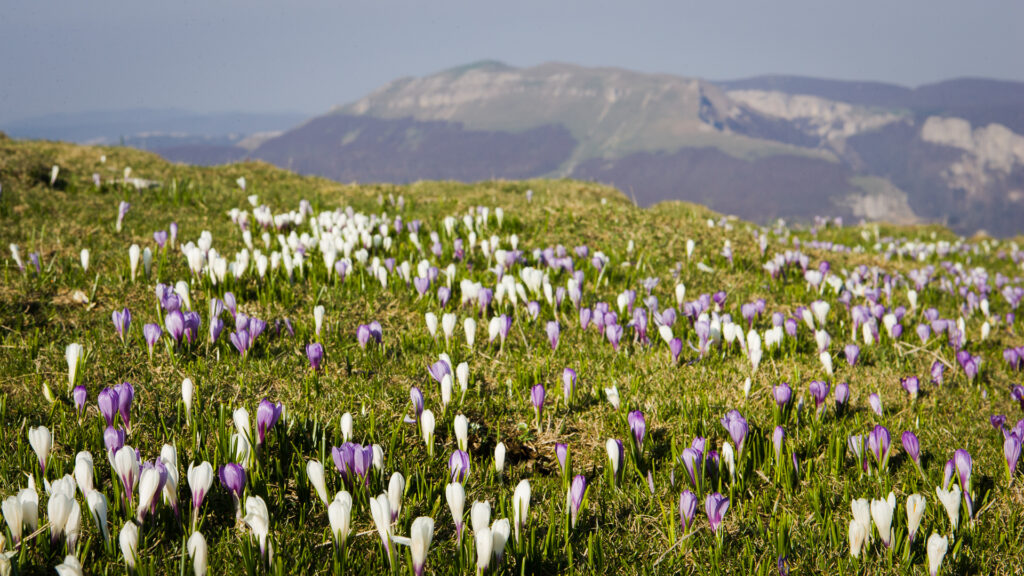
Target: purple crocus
(125, 396)
(80, 396)
(174, 322)
(842, 395)
(1011, 450)
(458, 466)
(416, 397)
(113, 439)
(232, 476)
(537, 394)
(107, 403)
(638, 426)
(911, 384)
(216, 327)
(687, 509)
(553, 331)
(315, 355)
(267, 415)
(948, 471)
(997, 421)
(819, 391)
(715, 506)
(675, 347)
(568, 384)
(880, 444)
(964, 465)
(577, 490)
(912, 447)
(876, 403)
(778, 439)
(1017, 394)
(852, 352)
(242, 341)
(160, 237)
(152, 333)
(614, 335)
(562, 453)
(693, 461)
(938, 368)
(122, 321)
(363, 335)
(783, 393)
(737, 427)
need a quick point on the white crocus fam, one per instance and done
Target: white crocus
(499, 458)
(448, 322)
(469, 326)
(199, 553)
(462, 375)
(521, 506)
(339, 513)
(729, 458)
(315, 473)
(74, 354)
(427, 428)
(461, 426)
(84, 256)
(257, 517)
(431, 320)
(484, 547)
(41, 441)
(480, 515)
(915, 510)
(69, 567)
(84, 473)
(149, 485)
(861, 510)
(500, 531)
(12, 512)
(346, 426)
(396, 489)
(57, 510)
(421, 533)
(318, 319)
(951, 502)
(98, 508)
(134, 254)
(380, 509)
(858, 536)
(613, 396)
(187, 390)
(129, 541)
(241, 419)
(73, 525)
(881, 513)
(455, 494)
(936, 547)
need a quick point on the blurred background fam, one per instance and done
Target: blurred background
(907, 111)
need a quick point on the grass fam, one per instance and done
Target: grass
(624, 529)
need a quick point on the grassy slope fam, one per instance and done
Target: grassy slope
(38, 318)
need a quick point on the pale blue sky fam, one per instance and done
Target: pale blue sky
(308, 55)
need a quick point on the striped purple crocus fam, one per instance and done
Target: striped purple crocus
(715, 506)
(880, 444)
(819, 391)
(574, 498)
(122, 322)
(852, 353)
(687, 509)
(458, 466)
(152, 333)
(553, 332)
(80, 395)
(964, 465)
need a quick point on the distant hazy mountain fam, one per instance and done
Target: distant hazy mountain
(157, 129)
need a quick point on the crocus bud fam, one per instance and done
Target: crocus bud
(915, 510)
(187, 389)
(339, 513)
(455, 494)
(315, 473)
(84, 473)
(936, 547)
(461, 426)
(521, 506)
(198, 551)
(499, 458)
(129, 542)
(396, 489)
(41, 441)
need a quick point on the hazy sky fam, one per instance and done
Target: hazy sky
(308, 55)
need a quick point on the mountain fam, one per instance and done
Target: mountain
(207, 138)
(761, 148)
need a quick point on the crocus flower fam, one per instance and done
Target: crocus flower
(852, 353)
(819, 391)
(41, 441)
(693, 461)
(257, 518)
(912, 447)
(553, 332)
(380, 509)
(152, 333)
(75, 355)
(198, 551)
(128, 540)
(568, 384)
(174, 322)
(616, 457)
(267, 415)
(537, 394)
(455, 494)
(778, 438)
(881, 513)
(200, 480)
(1011, 451)
(80, 396)
(737, 427)
(880, 444)
(458, 466)
(876, 403)
(715, 506)
(938, 368)
(911, 385)
(782, 393)
(936, 548)
(638, 426)
(233, 477)
(916, 504)
(1017, 394)
(687, 509)
(842, 395)
(122, 321)
(562, 453)
(574, 498)
(521, 506)
(125, 395)
(964, 465)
